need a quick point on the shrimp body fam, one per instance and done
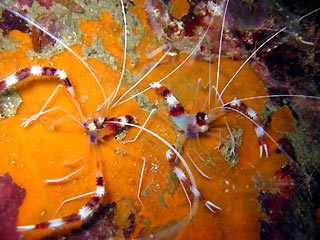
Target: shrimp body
(191, 124)
(101, 127)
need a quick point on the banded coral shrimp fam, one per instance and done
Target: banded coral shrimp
(59, 146)
(280, 123)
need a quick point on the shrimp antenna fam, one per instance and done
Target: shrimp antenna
(251, 55)
(219, 55)
(114, 94)
(166, 76)
(247, 60)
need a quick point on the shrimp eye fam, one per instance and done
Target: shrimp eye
(201, 118)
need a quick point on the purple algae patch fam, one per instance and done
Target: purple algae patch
(100, 226)
(11, 197)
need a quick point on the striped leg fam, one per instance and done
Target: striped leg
(171, 156)
(249, 112)
(83, 214)
(38, 71)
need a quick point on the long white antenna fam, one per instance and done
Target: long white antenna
(269, 39)
(247, 60)
(219, 54)
(114, 94)
(118, 102)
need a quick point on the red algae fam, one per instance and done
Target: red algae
(184, 33)
(41, 152)
(11, 22)
(11, 197)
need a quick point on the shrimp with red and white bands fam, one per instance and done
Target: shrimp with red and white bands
(98, 129)
(192, 125)
(195, 124)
